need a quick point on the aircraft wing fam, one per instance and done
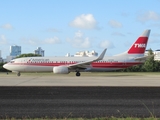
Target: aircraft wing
(81, 64)
(144, 57)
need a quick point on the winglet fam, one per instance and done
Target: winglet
(102, 55)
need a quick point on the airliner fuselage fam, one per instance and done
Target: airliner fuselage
(38, 64)
(65, 65)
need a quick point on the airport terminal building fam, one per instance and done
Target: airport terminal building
(156, 54)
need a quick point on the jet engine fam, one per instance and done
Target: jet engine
(60, 70)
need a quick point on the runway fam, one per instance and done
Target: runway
(86, 102)
(86, 79)
(88, 96)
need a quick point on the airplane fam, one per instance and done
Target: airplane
(64, 65)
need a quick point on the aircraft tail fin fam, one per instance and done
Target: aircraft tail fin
(140, 44)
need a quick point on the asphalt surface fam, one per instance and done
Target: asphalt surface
(86, 102)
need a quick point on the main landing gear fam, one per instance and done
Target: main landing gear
(78, 73)
(18, 74)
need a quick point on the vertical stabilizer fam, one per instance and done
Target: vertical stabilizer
(140, 45)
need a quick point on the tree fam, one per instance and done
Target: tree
(28, 55)
(157, 66)
(150, 63)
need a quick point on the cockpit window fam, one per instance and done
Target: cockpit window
(12, 61)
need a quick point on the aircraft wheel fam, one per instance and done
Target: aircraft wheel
(78, 74)
(18, 74)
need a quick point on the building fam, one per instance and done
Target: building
(9, 58)
(86, 54)
(1, 60)
(83, 54)
(15, 50)
(39, 51)
(157, 54)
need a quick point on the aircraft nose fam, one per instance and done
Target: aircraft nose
(5, 66)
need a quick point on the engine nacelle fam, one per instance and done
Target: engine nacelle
(60, 70)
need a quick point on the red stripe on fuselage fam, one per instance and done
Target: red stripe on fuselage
(114, 64)
(94, 65)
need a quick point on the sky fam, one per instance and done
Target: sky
(68, 26)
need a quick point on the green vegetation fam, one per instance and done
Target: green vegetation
(28, 55)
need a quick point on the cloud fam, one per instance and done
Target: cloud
(4, 45)
(84, 21)
(3, 40)
(31, 41)
(7, 26)
(53, 40)
(118, 34)
(147, 16)
(79, 41)
(115, 24)
(124, 14)
(106, 44)
(36, 42)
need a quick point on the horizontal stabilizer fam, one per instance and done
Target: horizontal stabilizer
(144, 57)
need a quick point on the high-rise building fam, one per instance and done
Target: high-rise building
(39, 51)
(15, 50)
(1, 60)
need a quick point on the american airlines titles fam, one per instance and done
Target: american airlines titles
(140, 45)
(38, 60)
